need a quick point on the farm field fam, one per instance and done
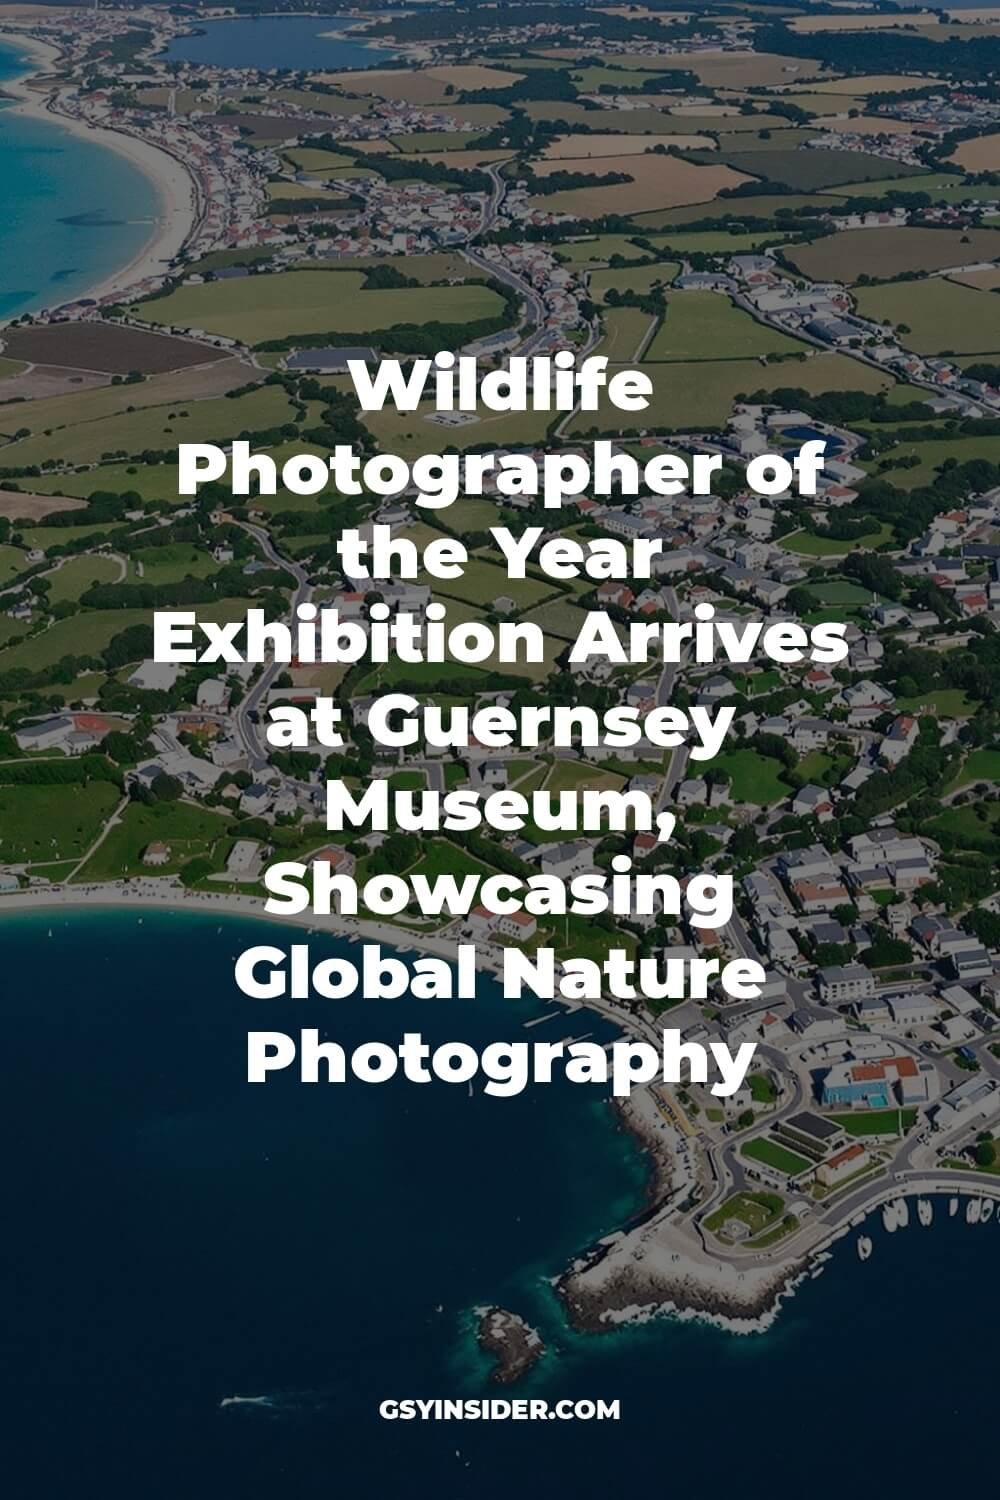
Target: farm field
(933, 454)
(12, 562)
(572, 151)
(483, 581)
(155, 482)
(707, 242)
(49, 823)
(107, 347)
(171, 564)
(807, 171)
(76, 575)
(599, 248)
(980, 281)
(657, 182)
(639, 279)
(426, 86)
(982, 154)
(730, 211)
(110, 401)
(706, 325)
(702, 392)
(88, 633)
(155, 428)
(884, 253)
(304, 302)
(31, 507)
(940, 315)
(624, 330)
(412, 433)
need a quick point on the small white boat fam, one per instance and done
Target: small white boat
(902, 1213)
(864, 1247)
(973, 1210)
(987, 1211)
(925, 1212)
(952, 1207)
(889, 1218)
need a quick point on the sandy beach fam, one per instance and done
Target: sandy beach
(175, 187)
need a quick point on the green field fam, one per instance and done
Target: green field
(807, 545)
(171, 564)
(884, 253)
(946, 703)
(734, 210)
(705, 325)
(755, 779)
(12, 562)
(940, 315)
(641, 279)
(153, 482)
(76, 576)
(755, 1210)
(624, 330)
(696, 394)
(482, 581)
(188, 831)
(808, 171)
(598, 248)
(981, 765)
(932, 455)
(261, 308)
(88, 633)
(708, 242)
(772, 1155)
(155, 428)
(48, 823)
(876, 1122)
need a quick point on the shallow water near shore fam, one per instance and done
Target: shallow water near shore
(176, 1238)
(74, 212)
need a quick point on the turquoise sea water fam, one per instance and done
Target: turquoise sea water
(173, 1237)
(295, 42)
(73, 211)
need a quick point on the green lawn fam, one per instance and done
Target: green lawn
(575, 775)
(706, 325)
(981, 765)
(946, 703)
(807, 545)
(12, 562)
(188, 832)
(45, 823)
(772, 1155)
(755, 1210)
(756, 779)
(260, 308)
(877, 1121)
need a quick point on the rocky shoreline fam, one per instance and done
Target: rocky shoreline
(514, 1344)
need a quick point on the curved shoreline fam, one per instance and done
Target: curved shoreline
(645, 1271)
(175, 187)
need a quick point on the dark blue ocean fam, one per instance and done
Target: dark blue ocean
(300, 43)
(73, 211)
(173, 1236)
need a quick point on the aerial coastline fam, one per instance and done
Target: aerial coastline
(175, 187)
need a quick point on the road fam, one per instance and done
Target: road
(247, 729)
